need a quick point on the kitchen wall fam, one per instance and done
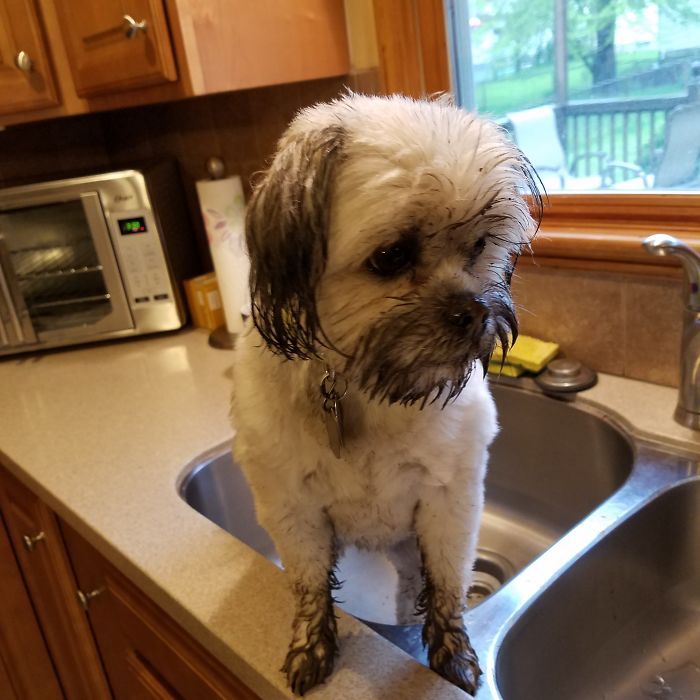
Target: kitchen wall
(620, 324)
(627, 325)
(240, 127)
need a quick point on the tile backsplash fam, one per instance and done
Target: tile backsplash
(240, 127)
(620, 324)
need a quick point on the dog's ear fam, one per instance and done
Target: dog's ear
(287, 236)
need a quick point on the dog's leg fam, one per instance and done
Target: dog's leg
(305, 542)
(406, 558)
(447, 534)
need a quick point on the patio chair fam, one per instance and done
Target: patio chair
(678, 166)
(535, 131)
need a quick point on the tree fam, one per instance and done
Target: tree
(597, 20)
(524, 28)
(591, 36)
(521, 30)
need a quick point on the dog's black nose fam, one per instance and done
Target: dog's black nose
(467, 311)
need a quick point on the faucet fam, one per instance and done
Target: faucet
(687, 411)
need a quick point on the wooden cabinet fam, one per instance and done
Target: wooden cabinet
(116, 45)
(26, 672)
(48, 575)
(165, 50)
(145, 654)
(265, 42)
(26, 78)
(72, 627)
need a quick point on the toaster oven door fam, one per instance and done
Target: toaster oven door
(59, 278)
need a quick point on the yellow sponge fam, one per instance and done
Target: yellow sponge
(529, 353)
(507, 370)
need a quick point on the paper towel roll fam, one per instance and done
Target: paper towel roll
(223, 210)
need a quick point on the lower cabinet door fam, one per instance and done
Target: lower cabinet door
(39, 550)
(146, 655)
(26, 672)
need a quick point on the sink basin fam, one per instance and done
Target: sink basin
(623, 621)
(541, 481)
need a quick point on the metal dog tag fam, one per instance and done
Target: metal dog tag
(333, 416)
(333, 388)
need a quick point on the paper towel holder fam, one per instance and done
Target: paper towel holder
(219, 338)
(215, 168)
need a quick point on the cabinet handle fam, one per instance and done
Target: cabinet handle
(30, 541)
(24, 62)
(132, 27)
(85, 598)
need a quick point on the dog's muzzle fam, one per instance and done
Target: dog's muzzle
(427, 350)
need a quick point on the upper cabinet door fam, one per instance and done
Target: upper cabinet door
(116, 45)
(240, 44)
(26, 81)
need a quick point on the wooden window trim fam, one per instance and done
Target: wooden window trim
(412, 43)
(603, 231)
(599, 231)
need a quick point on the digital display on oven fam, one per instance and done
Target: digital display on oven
(136, 224)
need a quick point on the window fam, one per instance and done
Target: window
(599, 229)
(601, 95)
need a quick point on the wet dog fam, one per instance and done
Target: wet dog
(382, 242)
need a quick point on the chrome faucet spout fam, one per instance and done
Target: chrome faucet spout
(663, 244)
(688, 410)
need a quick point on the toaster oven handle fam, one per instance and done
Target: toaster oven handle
(7, 333)
(13, 300)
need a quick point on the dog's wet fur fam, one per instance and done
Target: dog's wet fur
(382, 239)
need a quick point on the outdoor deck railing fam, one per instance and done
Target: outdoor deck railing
(628, 130)
(609, 133)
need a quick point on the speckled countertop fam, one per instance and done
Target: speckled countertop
(102, 434)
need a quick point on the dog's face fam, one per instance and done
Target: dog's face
(384, 237)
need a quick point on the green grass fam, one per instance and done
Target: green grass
(531, 87)
(535, 86)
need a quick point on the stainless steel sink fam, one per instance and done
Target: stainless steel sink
(623, 621)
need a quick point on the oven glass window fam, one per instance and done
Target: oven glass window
(56, 265)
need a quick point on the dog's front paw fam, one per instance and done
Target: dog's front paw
(456, 661)
(308, 666)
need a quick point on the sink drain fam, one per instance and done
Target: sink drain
(491, 571)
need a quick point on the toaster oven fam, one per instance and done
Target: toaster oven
(91, 258)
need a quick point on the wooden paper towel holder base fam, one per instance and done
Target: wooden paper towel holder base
(221, 339)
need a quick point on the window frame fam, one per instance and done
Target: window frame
(597, 231)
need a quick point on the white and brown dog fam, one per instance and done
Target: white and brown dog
(382, 241)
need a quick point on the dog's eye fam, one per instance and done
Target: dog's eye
(392, 260)
(478, 247)
(474, 252)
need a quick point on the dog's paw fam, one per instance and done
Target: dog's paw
(456, 661)
(306, 667)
